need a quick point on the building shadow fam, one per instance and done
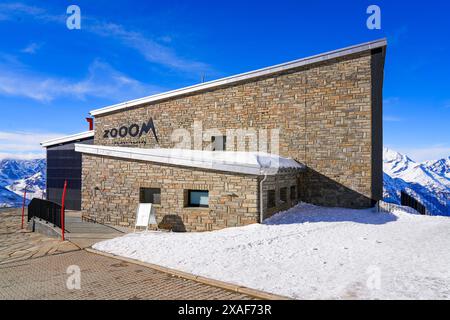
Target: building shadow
(312, 214)
(318, 189)
(172, 222)
(326, 200)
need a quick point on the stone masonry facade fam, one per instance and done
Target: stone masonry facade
(324, 114)
(111, 194)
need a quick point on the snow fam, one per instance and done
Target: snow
(232, 161)
(14, 174)
(312, 252)
(35, 186)
(428, 182)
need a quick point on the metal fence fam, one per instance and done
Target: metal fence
(407, 200)
(438, 204)
(45, 210)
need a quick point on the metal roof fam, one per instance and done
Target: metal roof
(254, 163)
(245, 76)
(66, 139)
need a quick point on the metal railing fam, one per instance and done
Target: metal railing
(45, 210)
(409, 201)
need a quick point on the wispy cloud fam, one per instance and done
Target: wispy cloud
(391, 101)
(150, 49)
(23, 145)
(154, 50)
(32, 48)
(392, 119)
(17, 11)
(395, 36)
(102, 81)
(434, 152)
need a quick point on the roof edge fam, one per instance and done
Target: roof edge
(65, 139)
(138, 154)
(245, 76)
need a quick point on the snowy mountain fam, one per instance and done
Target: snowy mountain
(428, 182)
(15, 175)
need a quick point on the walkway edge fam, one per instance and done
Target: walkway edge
(215, 283)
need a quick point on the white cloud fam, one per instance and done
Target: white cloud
(32, 48)
(435, 152)
(24, 145)
(151, 49)
(101, 81)
(17, 10)
(392, 119)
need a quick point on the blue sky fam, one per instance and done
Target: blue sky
(51, 77)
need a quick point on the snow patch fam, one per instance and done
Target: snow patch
(311, 252)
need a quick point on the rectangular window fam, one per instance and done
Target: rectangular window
(271, 202)
(293, 193)
(283, 194)
(150, 195)
(218, 143)
(198, 198)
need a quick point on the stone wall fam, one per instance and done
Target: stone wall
(323, 112)
(111, 194)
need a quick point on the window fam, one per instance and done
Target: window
(271, 199)
(198, 198)
(150, 195)
(293, 193)
(218, 143)
(283, 194)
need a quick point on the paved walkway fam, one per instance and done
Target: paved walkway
(33, 266)
(85, 234)
(18, 245)
(101, 278)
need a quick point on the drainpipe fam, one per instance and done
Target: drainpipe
(261, 202)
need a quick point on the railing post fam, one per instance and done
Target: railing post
(62, 209)
(23, 204)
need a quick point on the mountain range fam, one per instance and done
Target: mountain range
(15, 175)
(428, 182)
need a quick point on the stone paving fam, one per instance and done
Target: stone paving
(33, 266)
(101, 278)
(17, 245)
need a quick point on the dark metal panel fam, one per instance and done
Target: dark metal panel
(63, 163)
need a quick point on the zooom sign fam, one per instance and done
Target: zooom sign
(134, 130)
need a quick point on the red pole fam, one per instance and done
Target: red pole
(23, 205)
(62, 209)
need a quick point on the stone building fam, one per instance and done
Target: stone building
(234, 151)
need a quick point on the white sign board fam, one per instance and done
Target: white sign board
(145, 215)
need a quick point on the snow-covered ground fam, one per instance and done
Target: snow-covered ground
(312, 252)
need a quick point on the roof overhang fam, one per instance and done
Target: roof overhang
(245, 76)
(253, 163)
(68, 139)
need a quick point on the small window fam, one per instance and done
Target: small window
(293, 193)
(198, 198)
(218, 143)
(271, 199)
(283, 194)
(150, 195)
